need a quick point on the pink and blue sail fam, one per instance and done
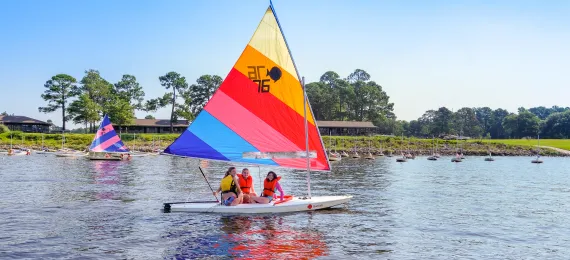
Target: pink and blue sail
(106, 139)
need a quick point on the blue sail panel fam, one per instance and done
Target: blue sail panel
(216, 136)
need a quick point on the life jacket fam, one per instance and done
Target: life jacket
(269, 186)
(245, 184)
(228, 184)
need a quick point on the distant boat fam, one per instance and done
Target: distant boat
(433, 157)
(490, 158)
(537, 160)
(369, 156)
(106, 144)
(333, 155)
(355, 155)
(402, 159)
(457, 158)
(381, 153)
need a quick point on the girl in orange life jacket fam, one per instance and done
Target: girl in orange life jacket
(270, 184)
(229, 186)
(246, 185)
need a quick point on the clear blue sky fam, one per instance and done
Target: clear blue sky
(425, 54)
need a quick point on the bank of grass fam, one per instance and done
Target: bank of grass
(558, 143)
(385, 144)
(82, 141)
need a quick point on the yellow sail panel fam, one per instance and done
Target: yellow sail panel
(281, 84)
(269, 41)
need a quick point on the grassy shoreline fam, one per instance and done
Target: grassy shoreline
(144, 142)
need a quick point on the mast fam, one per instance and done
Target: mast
(305, 104)
(538, 155)
(307, 138)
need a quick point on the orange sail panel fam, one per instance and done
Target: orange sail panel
(258, 109)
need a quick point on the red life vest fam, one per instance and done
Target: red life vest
(269, 186)
(245, 184)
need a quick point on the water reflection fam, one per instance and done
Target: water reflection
(249, 237)
(107, 173)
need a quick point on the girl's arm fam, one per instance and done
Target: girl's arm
(278, 186)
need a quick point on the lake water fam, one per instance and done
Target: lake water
(75, 208)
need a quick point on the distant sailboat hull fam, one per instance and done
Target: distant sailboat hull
(106, 156)
(294, 205)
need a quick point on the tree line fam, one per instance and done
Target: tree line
(484, 122)
(354, 98)
(85, 102)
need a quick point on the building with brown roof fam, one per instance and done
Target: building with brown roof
(158, 126)
(24, 124)
(351, 128)
(325, 127)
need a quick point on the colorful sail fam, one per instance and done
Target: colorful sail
(107, 140)
(257, 115)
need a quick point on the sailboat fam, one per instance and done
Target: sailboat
(12, 152)
(259, 115)
(458, 157)
(433, 157)
(134, 152)
(333, 155)
(537, 160)
(355, 155)
(490, 158)
(381, 153)
(403, 158)
(369, 156)
(106, 144)
(344, 153)
(63, 152)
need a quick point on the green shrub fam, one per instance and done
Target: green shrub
(4, 129)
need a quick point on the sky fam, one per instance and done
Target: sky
(425, 54)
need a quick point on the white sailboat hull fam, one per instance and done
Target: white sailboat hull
(293, 205)
(71, 154)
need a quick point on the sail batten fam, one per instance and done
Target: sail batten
(257, 115)
(106, 139)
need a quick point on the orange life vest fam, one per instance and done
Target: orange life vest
(269, 186)
(245, 184)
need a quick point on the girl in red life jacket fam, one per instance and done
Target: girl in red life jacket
(246, 185)
(270, 184)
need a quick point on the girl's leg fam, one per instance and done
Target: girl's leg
(260, 200)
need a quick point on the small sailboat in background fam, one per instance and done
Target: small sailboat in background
(403, 158)
(458, 156)
(490, 157)
(106, 144)
(537, 160)
(15, 152)
(134, 152)
(369, 156)
(333, 155)
(433, 157)
(344, 153)
(355, 155)
(259, 115)
(381, 153)
(63, 152)
(437, 155)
